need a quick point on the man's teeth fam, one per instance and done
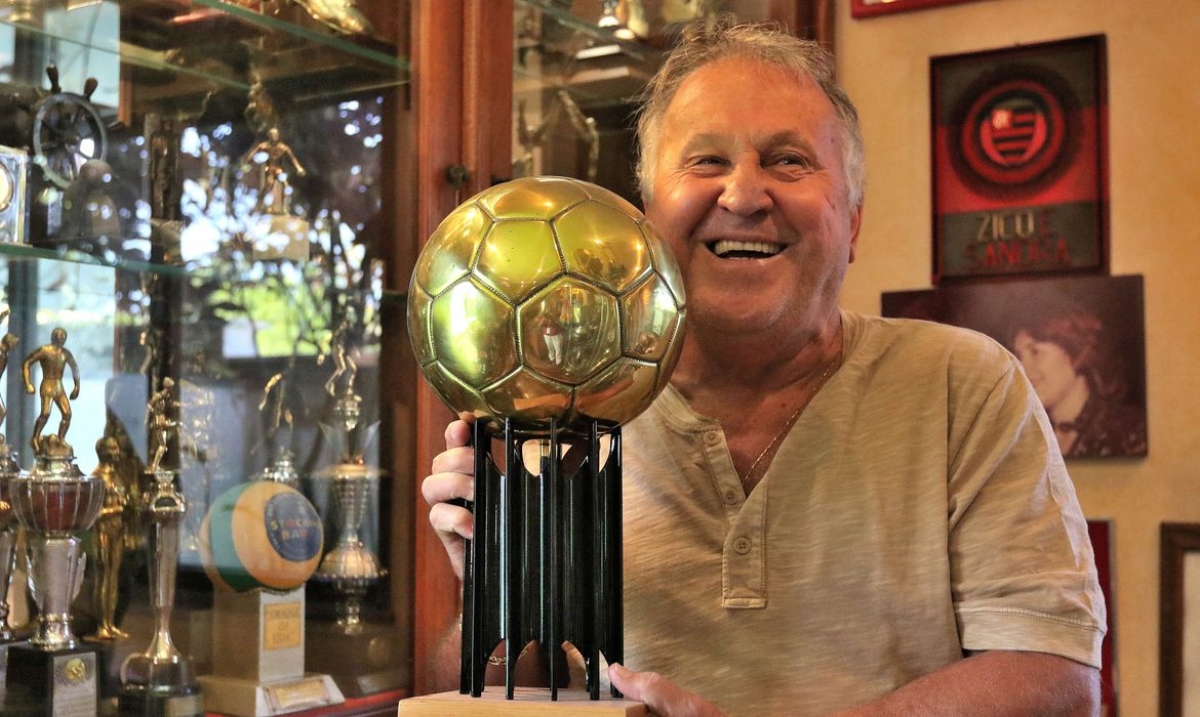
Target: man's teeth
(725, 247)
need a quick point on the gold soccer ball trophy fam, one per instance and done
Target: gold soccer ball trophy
(546, 308)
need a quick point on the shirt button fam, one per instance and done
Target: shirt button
(730, 497)
(741, 545)
(712, 438)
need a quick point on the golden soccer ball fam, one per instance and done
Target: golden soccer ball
(546, 298)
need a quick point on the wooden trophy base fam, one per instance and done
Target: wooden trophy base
(525, 701)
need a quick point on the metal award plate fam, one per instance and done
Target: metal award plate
(62, 683)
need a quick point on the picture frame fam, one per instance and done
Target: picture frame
(1179, 619)
(1100, 531)
(1020, 160)
(871, 8)
(1097, 324)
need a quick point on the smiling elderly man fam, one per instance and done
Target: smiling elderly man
(824, 512)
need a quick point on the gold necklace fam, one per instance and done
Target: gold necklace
(791, 421)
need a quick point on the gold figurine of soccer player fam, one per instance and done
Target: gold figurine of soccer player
(54, 358)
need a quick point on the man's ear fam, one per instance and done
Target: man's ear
(855, 225)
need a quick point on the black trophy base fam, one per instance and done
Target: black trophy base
(4, 648)
(50, 684)
(183, 701)
(361, 663)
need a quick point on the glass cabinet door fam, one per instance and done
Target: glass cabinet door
(201, 203)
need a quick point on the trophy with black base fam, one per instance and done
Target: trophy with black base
(548, 310)
(160, 682)
(54, 674)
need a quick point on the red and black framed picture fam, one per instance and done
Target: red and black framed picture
(1020, 160)
(1080, 339)
(871, 8)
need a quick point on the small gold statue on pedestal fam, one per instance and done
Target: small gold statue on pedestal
(54, 358)
(111, 536)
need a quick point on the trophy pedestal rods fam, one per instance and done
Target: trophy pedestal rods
(160, 681)
(545, 566)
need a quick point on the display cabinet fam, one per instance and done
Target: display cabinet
(204, 197)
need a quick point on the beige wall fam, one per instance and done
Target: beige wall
(1154, 150)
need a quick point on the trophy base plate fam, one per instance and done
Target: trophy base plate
(525, 701)
(59, 682)
(243, 698)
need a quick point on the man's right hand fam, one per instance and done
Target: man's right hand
(452, 479)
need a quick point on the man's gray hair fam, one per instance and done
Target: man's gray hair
(705, 41)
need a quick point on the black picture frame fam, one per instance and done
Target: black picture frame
(1177, 542)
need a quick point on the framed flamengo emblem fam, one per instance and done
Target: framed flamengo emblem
(1020, 170)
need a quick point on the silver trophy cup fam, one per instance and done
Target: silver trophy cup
(54, 503)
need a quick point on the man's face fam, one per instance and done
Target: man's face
(749, 192)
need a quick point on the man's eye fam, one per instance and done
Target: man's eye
(708, 160)
(792, 160)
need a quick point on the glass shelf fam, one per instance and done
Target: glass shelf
(158, 50)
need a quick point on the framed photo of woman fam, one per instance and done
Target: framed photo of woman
(1081, 341)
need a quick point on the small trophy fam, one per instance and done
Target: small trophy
(361, 657)
(54, 502)
(350, 566)
(110, 530)
(281, 469)
(273, 231)
(160, 681)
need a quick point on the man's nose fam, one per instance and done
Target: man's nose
(745, 191)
